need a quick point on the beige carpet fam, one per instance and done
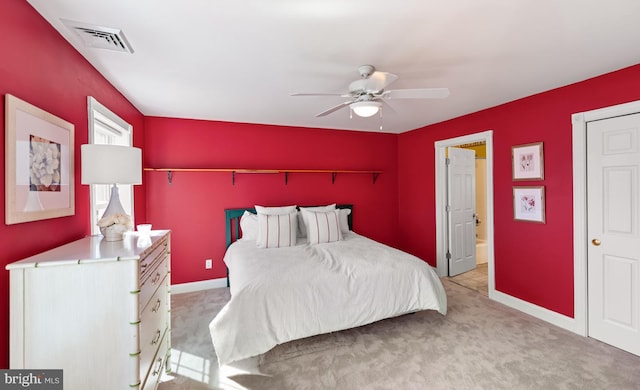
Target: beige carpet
(480, 344)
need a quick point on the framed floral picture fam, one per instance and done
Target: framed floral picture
(528, 161)
(39, 180)
(528, 204)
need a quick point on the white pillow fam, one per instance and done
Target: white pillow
(302, 223)
(322, 226)
(344, 220)
(277, 226)
(277, 230)
(249, 226)
(275, 210)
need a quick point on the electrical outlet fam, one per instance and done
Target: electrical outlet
(208, 264)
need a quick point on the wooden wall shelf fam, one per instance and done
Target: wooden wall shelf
(233, 171)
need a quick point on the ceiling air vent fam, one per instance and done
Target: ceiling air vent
(99, 37)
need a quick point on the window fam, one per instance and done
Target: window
(105, 127)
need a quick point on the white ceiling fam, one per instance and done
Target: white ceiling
(240, 60)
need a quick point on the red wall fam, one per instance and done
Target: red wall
(533, 262)
(193, 205)
(40, 67)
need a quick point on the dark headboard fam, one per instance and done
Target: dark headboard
(232, 221)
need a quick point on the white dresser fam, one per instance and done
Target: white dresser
(98, 310)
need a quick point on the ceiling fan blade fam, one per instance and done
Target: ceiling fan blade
(334, 108)
(380, 80)
(421, 93)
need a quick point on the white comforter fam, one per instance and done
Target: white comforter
(283, 294)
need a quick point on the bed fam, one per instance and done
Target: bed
(289, 292)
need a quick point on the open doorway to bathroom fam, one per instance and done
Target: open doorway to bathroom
(481, 278)
(477, 279)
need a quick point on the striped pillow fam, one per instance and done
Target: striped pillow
(302, 224)
(277, 230)
(322, 226)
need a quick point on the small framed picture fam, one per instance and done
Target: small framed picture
(528, 204)
(528, 161)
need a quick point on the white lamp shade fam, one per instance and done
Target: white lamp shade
(365, 109)
(111, 164)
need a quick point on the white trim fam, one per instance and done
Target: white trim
(97, 112)
(95, 105)
(539, 312)
(579, 146)
(198, 286)
(441, 186)
(579, 150)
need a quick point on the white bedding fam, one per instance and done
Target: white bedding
(283, 294)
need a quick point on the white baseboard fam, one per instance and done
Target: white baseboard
(198, 286)
(547, 315)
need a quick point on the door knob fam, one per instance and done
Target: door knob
(595, 242)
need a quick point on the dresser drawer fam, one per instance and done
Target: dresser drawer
(153, 325)
(152, 281)
(147, 262)
(158, 366)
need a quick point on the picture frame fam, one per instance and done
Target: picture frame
(528, 161)
(529, 204)
(39, 173)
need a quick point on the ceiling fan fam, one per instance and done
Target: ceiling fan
(368, 94)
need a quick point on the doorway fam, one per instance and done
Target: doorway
(476, 278)
(461, 210)
(606, 280)
(441, 201)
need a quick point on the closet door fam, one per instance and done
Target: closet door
(613, 265)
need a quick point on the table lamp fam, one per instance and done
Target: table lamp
(112, 164)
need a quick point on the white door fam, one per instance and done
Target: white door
(461, 202)
(613, 173)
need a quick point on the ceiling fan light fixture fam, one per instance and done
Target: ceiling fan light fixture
(366, 109)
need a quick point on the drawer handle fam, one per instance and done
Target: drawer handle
(158, 367)
(156, 278)
(157, 306)
(157, 338)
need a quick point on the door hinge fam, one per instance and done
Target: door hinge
(447, 161)
(448, 255)
(447, 208)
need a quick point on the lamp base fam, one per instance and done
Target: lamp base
(114, 206)
(114, 232)
(114, 222)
